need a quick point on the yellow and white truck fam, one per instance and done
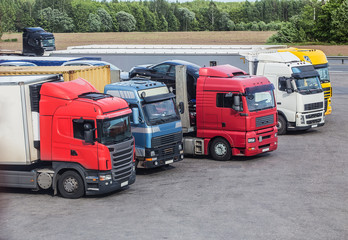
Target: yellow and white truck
(319, 61)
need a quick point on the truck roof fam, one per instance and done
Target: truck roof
(138, 84)
(47, 61)
(223, 71)
(68, 90)
(278, 57)
(15, 80)
(313, 56)
(229, 78)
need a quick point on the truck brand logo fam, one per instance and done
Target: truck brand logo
(168, 150)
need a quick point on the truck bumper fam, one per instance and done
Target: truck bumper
(306, 121)
(101, 187)
(162, 161)
(265, 140)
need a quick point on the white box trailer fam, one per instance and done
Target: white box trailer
(19, 121)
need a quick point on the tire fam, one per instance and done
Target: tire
(220, 150)
(281, 125)
(70, 185)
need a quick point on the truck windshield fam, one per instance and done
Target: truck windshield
(258, 101)
(48, 42)
(160, 112)
(324, 74)
(308, 85)
(114, 130)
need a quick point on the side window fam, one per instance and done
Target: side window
(282, 84)
(79, 127)
(224, 100)
(171, 72)
(163, 68)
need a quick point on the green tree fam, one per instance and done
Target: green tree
(225, 23)
(105, 19)
(173, 22)
(186, 18)
(126, 21)
(339, 23)
(150, 20)
(55, 21)
(94, 23)
(162, 24)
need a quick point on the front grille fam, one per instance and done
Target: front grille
(313, 106)
(167, 151)
(314, 121)
(265, 146)
(327, 92)
(122, 160)
(314, 115)
(265, 120)
(166, 139)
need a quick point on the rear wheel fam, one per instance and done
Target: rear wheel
(281, 125)
(220, 149)
(70, 185)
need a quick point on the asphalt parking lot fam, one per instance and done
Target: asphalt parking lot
(299, 191)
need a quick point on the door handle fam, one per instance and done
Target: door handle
(223, 124)
(73, 153)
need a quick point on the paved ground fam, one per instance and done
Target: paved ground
(299, 191)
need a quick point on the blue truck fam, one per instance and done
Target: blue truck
(156, 124)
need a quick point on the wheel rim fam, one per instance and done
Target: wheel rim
(220, 149)
(279, 125)
(70, 184)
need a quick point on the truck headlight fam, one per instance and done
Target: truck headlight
(180, 147)
(105, 177)
(152, 153)
(251, 140)
(302, 119)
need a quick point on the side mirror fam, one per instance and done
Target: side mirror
(135, 112)
(88, 133)
(289, 88)
(181, 108)
(236, 103)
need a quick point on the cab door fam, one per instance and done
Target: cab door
(81, 152)
(230, 120)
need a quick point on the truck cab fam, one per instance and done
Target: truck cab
(299, 94)
(64, 135)
(155, 122)
(319, 61)
(235, 114)
(37, 42)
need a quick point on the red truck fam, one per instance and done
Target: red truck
(64, 135)
(234, 113)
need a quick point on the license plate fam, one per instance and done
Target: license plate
(313, 126)
(265, 149)
(124, 184)
(169, 161)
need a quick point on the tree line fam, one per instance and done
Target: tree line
(295, 20)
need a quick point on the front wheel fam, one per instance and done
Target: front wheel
(220, 150)
(70, 185)
(281, 125)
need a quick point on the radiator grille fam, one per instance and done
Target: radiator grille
(166, 139)
(327, 92)
(265, 120)
(122, 160)
(313, 106)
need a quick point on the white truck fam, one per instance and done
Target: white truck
(299, 96)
